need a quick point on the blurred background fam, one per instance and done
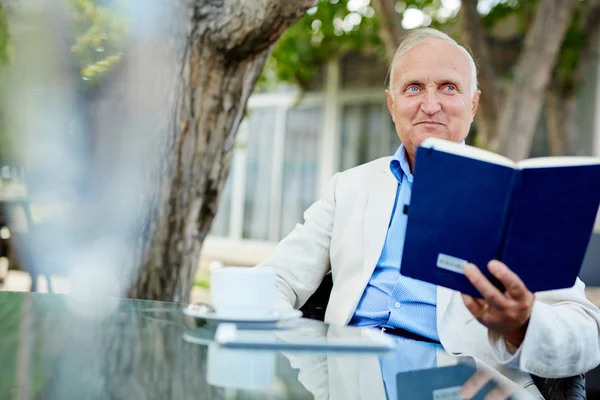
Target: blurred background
(94, 155)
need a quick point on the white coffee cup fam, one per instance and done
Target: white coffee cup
(242, 292)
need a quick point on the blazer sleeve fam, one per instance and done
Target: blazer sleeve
(301, 259)
(562, 337)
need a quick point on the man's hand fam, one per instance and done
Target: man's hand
(504, 313)
(478, 381)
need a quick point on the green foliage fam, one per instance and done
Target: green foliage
(203, 283)
(8, 142)
(507, 9)
(100, 29)
(6, 58)
(6, 42)
(326, 31)
(331, 29)
(323, 33)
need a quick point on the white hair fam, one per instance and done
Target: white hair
(419, 35)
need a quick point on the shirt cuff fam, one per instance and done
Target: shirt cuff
(504, 353)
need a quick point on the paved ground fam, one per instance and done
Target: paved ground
(20, 282)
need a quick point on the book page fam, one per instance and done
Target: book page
(547, 162)
(467, 151)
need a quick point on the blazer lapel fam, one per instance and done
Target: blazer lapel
(380, 203)
(443, 300)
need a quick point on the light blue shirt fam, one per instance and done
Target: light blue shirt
(390, 299)
(410, 355)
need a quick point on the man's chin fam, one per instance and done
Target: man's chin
(438, 135)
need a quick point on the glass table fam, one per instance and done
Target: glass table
(62, 347)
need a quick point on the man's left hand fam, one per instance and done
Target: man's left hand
(505, 313)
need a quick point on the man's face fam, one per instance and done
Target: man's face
(432, 94)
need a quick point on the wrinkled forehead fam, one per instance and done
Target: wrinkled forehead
(433, 61)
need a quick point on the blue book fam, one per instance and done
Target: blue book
(442, 383)
(471, 205)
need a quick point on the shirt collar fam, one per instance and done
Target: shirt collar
(399, 165)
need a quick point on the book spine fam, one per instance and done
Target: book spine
(509, 211)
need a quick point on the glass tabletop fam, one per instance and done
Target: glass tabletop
(62, 347)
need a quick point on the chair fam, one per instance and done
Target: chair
(572, 388)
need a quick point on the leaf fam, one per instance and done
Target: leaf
(6, 41)
(99, 30)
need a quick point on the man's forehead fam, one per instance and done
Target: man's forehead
(429, 73)
(433, 59)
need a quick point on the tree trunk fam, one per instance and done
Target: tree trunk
(227, 46)
(474, 36)
(561, 98)
(521, 108)
(391, 30)
(561, 123)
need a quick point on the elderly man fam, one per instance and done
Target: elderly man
(356, 231)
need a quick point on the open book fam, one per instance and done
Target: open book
(471, 205)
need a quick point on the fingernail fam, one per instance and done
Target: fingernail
(494, 264)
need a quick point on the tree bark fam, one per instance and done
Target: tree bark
(474, 37)
(521, 108)
(391, 30)
(227, 46)
(561, 103)
(561, 122)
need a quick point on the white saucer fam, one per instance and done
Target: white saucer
(275, 316)
(199, 336)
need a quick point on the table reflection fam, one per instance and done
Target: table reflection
(62, 347)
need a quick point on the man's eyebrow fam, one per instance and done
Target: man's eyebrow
(450, 82)
(410, 82)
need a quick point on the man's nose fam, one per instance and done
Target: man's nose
(431, 103)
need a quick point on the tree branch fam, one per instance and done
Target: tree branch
(391, 30)
(239, 29)
(473, 36)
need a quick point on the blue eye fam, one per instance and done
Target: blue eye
(413, 89)
(451, 88)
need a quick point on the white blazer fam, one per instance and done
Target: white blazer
(345, 231)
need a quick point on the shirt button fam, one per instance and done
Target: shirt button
(397, 305)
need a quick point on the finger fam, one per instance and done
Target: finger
(511, 281)
(497, 393)
(489, 292)
(477, 307)
(474, 384)
(472, 305)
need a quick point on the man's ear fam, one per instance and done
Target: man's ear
(390, 103)
(475, 103)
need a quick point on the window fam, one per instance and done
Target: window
(367, 134)
(259, 171)
(300, 163)
(220, 225)
(275, 164)
(287, 150)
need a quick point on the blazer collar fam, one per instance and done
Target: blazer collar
(380, 203)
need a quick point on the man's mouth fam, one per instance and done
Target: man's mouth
(429, 123)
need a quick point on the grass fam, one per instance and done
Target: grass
(202, 279)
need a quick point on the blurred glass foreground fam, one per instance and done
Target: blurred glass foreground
(85, 111)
